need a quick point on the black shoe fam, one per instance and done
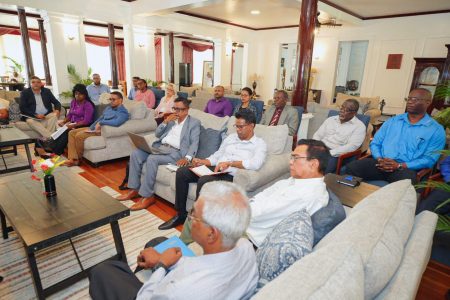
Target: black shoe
(172, 223)
(124, 186)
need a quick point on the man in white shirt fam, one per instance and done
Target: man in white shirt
(305, 189)
(178, 137)
(227, 270)
(240, 150)
(343, 133)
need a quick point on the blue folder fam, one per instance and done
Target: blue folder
(174, 242)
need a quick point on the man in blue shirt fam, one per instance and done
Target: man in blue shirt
(97, 88)
(133, 90)
(404, 144)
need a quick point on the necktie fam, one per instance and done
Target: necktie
(276, 117)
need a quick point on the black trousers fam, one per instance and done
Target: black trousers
(114, 280)
(367, 170)
(185, 176)
(434, 199)
(332, 164)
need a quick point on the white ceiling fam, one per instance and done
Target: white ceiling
(276, 13)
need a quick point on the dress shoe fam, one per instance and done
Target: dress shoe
(172, 223)
(124, 186)
(128, 196)
(143, 204)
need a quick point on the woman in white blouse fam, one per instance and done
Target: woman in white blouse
(166, 103)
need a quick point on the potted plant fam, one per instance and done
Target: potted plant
(76, 78)
(443, 93)
(15, 67)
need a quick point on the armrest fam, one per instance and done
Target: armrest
(356, 153)
(135, 126)
(422, 173)
(274, 167)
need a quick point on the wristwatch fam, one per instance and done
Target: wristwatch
(400, 166)
(160, 265)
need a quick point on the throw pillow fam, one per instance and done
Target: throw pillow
(209, 142)
(328, 217)
(14, 111)
(136, 110)
(289, 241)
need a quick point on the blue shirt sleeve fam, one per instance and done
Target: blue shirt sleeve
(121, 116)
(445, 169)
(377, 142)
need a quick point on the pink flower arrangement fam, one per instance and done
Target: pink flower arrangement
(44, 167)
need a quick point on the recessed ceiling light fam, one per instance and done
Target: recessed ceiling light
(255, 12)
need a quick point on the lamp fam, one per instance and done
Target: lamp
(70, 31)
(255, 78)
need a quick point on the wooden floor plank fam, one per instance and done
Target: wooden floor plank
(435, 280)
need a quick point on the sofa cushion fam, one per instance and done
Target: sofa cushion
(378, 227)
(334, 272)
(14, 111)
(289, 241)
(136, 110)
(274, 136)
(209, 142)
(209, 120)
(95, 143)
(328, 217)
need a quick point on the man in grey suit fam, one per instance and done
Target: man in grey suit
(178, 137)
(280, 113)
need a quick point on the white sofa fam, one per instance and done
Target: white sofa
(114, 142)
(275, 168)
(379, 251)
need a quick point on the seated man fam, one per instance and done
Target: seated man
(96, 88)
(404, 144)
(219, 106)
(240, 150)
(178, 137)
(134, 88)
(43, 108)
(305, 189)
(114, 115)
(280, 113)
(227, 270)
(343, 133)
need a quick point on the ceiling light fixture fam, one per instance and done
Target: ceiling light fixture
(255, 12)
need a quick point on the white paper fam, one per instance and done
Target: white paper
(58, 132)
(172, 168)
(204, 170)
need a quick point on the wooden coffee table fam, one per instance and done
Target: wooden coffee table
(349, 196)
(40, 223)
(12, 137)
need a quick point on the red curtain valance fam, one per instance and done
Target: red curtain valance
(196, 47)
(32, 33)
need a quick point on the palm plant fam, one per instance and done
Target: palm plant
(76, 78)
(443, 223)
(443, 92)
(15, 67)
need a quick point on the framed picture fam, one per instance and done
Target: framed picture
(208, 74)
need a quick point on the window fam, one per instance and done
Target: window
(98, 59)
(198, 59)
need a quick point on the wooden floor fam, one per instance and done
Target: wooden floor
(435, 281)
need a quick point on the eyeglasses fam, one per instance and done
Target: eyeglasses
(113, 99)
(239, 126)
(296, 157)
(177, 109)
(191, 217)
(414, 99)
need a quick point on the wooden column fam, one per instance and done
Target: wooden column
(25, 42)
(305, 45)
(112, 54)
(171, 59)
(48, 78)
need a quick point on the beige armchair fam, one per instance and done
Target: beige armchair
(371, 104)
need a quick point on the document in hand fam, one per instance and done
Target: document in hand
(172, 243)
(58, 132)
(204, 170)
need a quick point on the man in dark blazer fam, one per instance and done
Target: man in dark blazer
(177, 142)
(280, 113)
(43, 108)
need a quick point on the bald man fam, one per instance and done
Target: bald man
(404, 144)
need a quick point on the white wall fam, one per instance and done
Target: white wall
(419, 36)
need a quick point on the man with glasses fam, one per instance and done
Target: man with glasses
(342, 133)
(226, 270)
(41, 106)
(114, 114)
(178, 136)
(240, 150)
(404, 144)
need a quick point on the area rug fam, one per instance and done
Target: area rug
(59, 261)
